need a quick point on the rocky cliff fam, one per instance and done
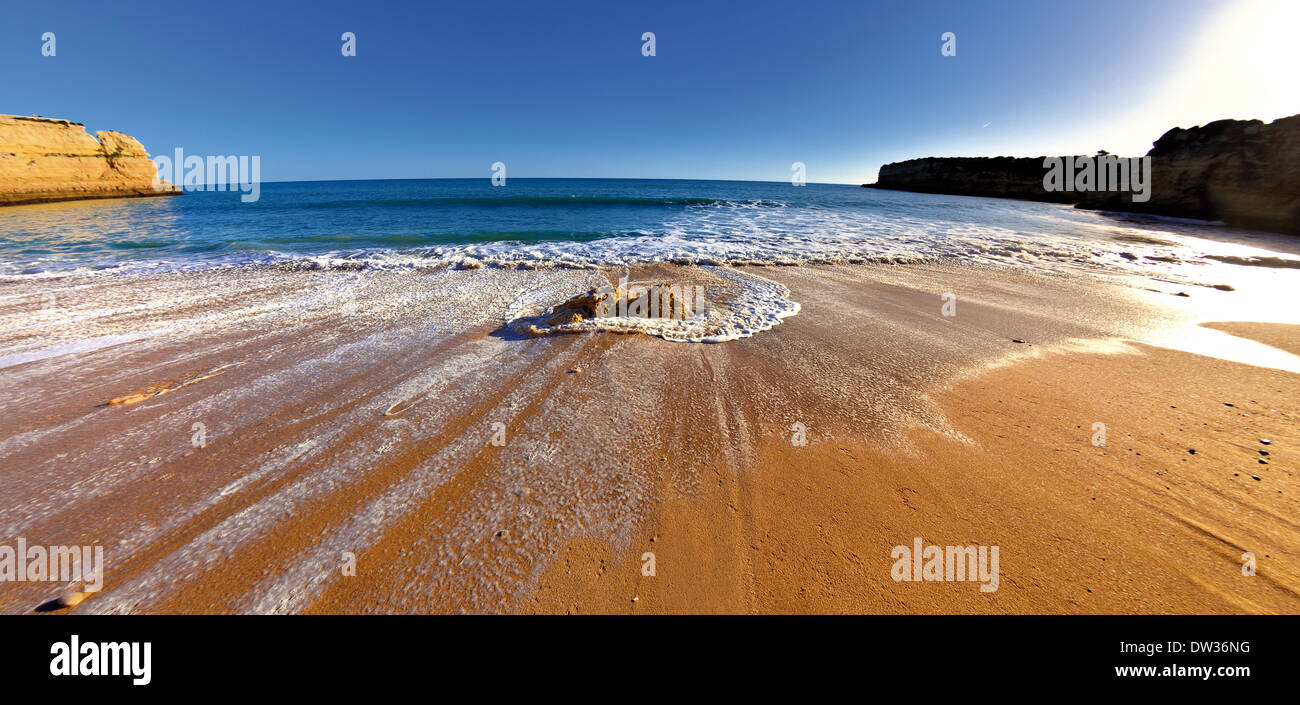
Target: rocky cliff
(994, 177)
(1243, 172)
(56, 160)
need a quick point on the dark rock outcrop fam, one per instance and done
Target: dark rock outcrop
(993, 177)
(1243, 172)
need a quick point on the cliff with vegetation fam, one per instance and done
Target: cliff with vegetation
(1245, 173)
(56, 160)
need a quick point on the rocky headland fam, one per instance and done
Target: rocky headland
(43, 159)
(1245, 173)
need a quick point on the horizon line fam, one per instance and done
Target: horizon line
(557, 178)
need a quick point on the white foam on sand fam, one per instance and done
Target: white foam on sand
(733, 305)
(77, 347)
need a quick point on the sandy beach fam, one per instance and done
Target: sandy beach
(279, 440)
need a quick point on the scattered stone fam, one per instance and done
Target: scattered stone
(1224, 287)
(1228, 403)
(576, 371)
(1017, 340)
(635, 599)
(1263, 452)
(71, 599)
(1256, 478)
(1182, 293)
(1263, 462)
(1265, 441)
(1192, 451)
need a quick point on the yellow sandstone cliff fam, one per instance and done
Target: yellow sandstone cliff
(42, 159)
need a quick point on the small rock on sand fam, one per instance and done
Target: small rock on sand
(71, 599)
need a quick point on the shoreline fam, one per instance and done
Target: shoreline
(354, 413)
(28, 199)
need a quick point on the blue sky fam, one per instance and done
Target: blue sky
(737, 90)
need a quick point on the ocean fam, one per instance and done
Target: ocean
(583, 223)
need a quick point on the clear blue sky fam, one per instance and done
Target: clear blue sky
(738, 90)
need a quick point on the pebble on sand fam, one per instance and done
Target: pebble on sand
(71, 599)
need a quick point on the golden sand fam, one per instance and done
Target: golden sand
(384, 443)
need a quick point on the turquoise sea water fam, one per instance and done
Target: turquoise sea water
(586, 222)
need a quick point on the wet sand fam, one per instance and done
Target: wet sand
(388, 420)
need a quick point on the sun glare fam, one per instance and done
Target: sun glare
(1244, 64)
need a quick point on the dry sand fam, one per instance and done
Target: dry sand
(385, 420)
